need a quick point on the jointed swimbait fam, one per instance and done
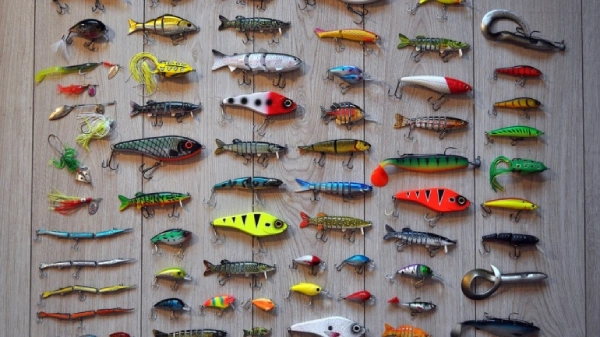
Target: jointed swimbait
(257, 332)
(445, 3)
(361, 297)
(522, 103)
(432, 242)
(422, 44)
(248, 149)
(334, 326)
(325, 222)
(166, 25)
(416, 271)
(81, 315)
(308, 289)
(145, 200)
(516, 133)
(404, 330)
(441, 124)
(245, 25)
(227, 268)
(498, 327)
(173, 304)
(79, 264)
(348, 190)
(83, 235)
(336, 146)
(191, 333)
(171, 108)
(257, 224)
(518, 71)
(174, 273)
(85, 289)
(143, 74)
(344, 113)
(171, 237)
(511, 239)
(510, 203)
(439, 200)
(442, 85)
(415, 307)
(244, 183)
(358, 262)
(518, 165)
(220, 302)
(358, 35)
(351, 76)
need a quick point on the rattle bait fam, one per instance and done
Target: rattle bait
(256, 24)
(445, 3)
(175, 274)
(517, 165)
(311, 261)
(248, 149)
(227, 268)
(93, 126)
(344, 113)
(422, 44)
(358, 262)
(85, 289)
(515, 133)
(143, 74)
(79, 264)
(144, 201)
(439, 200)
(521, 103)
(244, 183)
(350, 75)
(308, 289)
(407, 236)
(404, 330)
(167, 25)
(220, 302)
(191, 333)
(363, 297)
(358, 35)
(424, 163)
(171, 237)
(171, 108)
(172, 304)
(329, 327)
(415, 271)
(257, 332)
(509, 203)
(81, 235)
(89, 29)
(76, 89)
(65, 204)
(442, 85)
(521, 71)
(336, 146)
(264, 304)
(348, 190)
(498, 327)
(515, 240)
(440, 124)
(325, 222)
(415, 307)
(256, 224)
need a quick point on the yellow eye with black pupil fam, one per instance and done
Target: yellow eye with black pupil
(278, 224)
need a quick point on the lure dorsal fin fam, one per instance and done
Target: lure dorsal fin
(139, 194)
(388, 327)
(406, 229)
(321, 214)
(262, 50)
(420, 37)
(235, 141)
(389, 229)
(239, 17)
(224, 261)
(151, 101)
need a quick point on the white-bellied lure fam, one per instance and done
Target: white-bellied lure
(443, 85)
(265, 103)
(261, 61)
(330, 326)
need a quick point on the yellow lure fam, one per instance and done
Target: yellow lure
(358, 35)
(143, 74)
(254, 223)
(309, 289)
(444, 2)
(511, 203)
(174, 273)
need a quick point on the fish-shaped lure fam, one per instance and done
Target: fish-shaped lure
(256, 24)
(345, 189)
(324, 326)
(440, 124)
(415, 307)
(325, 222)
(358, 35)
(228, 268)
(515, 133)
(174, 274)
(336, 146)
(439, 200)
(265, 103)
(166, 25)
(422, 44)
(521, 71)
(264, 304)
(404, 331)
(220, 302)
(498, 327)
(344, 113)
(248, 149)
(508, 203)
(440, 84)
(257, 332)
(171, 237)
(191, 333)
(351, 75)
(141, 199)
(172, 304)
(519, 103)
(257, 224)
(406, 236)
(170, 108)
(261, 61)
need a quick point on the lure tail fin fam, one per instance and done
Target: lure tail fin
(304, 185)
(305, 220)
(135, 108)
(132, 26)
(495, 172)
(220, 61)
(320, 32)
(390, 232)
(224, 23)
(401, 121)
(209, 267)
(124, 202)
(404, 41)
(379, 177)
(220, 146)
(159, 333)
(303, 148)
(324, 113)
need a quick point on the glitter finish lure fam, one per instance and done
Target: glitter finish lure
(432, 242)
(517, 165)
(515, 133)
(521, 71)
(440, 124)
(326, 222)
(422, 44)
(416, 307)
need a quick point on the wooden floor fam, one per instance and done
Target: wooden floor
(566, 304)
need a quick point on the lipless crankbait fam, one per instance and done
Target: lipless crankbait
(416, 306)
(336, 146)
(257, 224)
(171, 108)
(93, 126)
(81, 315)
(172, 304)
(89, 29)
(244, 183)
(358, 35)
(257, 332)
(264, 304)
(145, 201)
(521, 71)
(440, 124)
(308, 289)
(65, 204)
(439, 200)
(325, 222)
(265, 103)
(511, 239)
(171, 237)
(424, 163)
(363, 297)
(442, 85)
(519, 103)
(228, 268)
(175, 274)
(445, 3)
(422, 44)
(515, 133)
(82, 290)
(415, 271)
(167, 25)
(78, 68)
(143, 74)
(334, 326)
(256, 24)
(76, 89)
(79, 264)
(222, 302)
(311, 261)
(510, 203)
(82, 235)
(358, 262)
(348, 190)
(248, 149)
(498, 326)
(404, 331)
(344, 113)
(255, 62)
(191, 333)
(407, 236)
(350, 75)
(517, 165)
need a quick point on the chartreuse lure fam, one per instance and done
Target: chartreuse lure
(143, 74)
(85, 289)
(145, 200)
(174, 273)
(257, 224)
(308, 289)
(515, 133)
(509, 203)
(220, 302)
(422, 44)
(443, 16)
(518, 165)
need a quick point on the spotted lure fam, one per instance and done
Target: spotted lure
(515, 133)
(326, 222)
(171, 237)
(517, 165)
(422, 44)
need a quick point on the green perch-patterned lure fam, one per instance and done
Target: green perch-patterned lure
(145, 200)
(423, 44)
(257, 332)
(516, 133)
(245, 25)
(519, 165)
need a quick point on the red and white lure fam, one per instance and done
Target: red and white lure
(265, 103)
(443, 85)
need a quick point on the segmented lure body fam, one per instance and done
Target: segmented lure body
(262, 61)
(256, 24)
(83, 314)
(512, 239)
(521, 71)
(257, 332)
(357, 35)
(171, 108)
(191, 333)
(249, 183)
(344, 113)
(237, 268)
(83, 235)
(84, 263)
(345, 189)
(517, 165)
(440, 84)
(325, 222)
(242, 148)
(86, 289)
(166, 25)
(337, 146)
(431, 241)
(257, 224)
(439, 200)
(265, 103)
(515, 132)
(141, 200)
(441, 45)
(440, 124)
(404, 330)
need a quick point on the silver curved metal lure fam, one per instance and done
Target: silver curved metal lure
(330, 326)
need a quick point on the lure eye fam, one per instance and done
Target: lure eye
(287, 103)
(356, 328)
(188, 145)
(330, 328)
(462, 200)
(189, 25)
(278, 224)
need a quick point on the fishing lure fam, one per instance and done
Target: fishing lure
(424, 163)
(167, 25)
(248, 149)
(510, 203)
(348, 190)
(521, 103)
(261, 61)
(311, 261)
(68, 159)
(336, 146)
(65, 204)
(256, 224)
(191, 333)
(511, 239)
(422, 44)
(308, 289)
(358, 35)
(144, 201)
(64, 110)
(227, 268)
(119, 334)
(439, 200)
(81, 315)
(172, 304)
(325, 222)
(442, 85)
(516, 133)
(257, 332)
(78, 68)
(174, 273)
(363, 297)
(415, 307)
(220, 302)
(171, 108)
(521, 71)
(171, 237)
(264, 304)
(517, 165)
(498, 326)
(256, 24)
(162, 148)
(344, 113)
(440, 124)
(143, 74)
(358, 262)
(407, 236)
(265, 103)
(244, 183)
(420, 272)
(93, 126)
(79, 264)
(89, 29)
(445, 3)
(333, 326)
(404, 330)
(350, 75)
(76, 89)
(82, 290)
(81, 235)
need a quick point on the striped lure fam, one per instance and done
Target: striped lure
(257, 224)
(439, 200)
(243, 24)
(441, 124)
(516, 133)
(523, 103)
(345, 189)
(191, 333)
(220, 302)
(344, 113)
(228, 268)
(325, 222)
(145, 200)
(521, 71)
(422, 44)
(406, 236)
(248, 149)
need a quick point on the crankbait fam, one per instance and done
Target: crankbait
(79, 264)
(424, 163)
(144, 201)
(523, 36)
(65, 204)
(162, 148)
(442, 85)
(498, 327)
(415, 307)
(89, 29)
(511, 239)
(521, 71)
(522, 103)
(68, 160)
(191, 333)
(358, 262)
(404, 331)
(264, 304)
(265, 103)
(143, 74)
(325, 222)
(348, 190)
(363, 297)
(81, 235)
(407, 236)
(311, 261)
(174, 273)
(248, 149)
(308, 289)
(358, 35)
(261, 61)
(516, 133)
(245, 25)
(517, 165)
(172, 304)
(350, 75)
(167, 25)
(227, 268)
(172, 237)
(336, 146)
(329, 327)
(244, 183)
(220, 302)
(171, 108)
(76, 89)
(415, 271)
(440, 124)
(93, 126)
(509, 203)
(257, 332)
(439, 200)
(64, 110)
(422, 44)
(78, 68)
(344, 113)
(85, 289)
(256, 224)
(81, 315)
(445, 3)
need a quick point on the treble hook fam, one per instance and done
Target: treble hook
(360, 13)
(307, 3)
(151, 168)
(90, 45)
(148, 212)
(416, 55)
(261, 248)
(223, 280)
(339, 46)
(154, 4)
(224, 116)
(62, 8)
(245, 79)
(487, 211)
(517, 253)
(434, 104)
(75, 246)
(344, 87)
(76, 273)
(262, 127)
(211, 198)
(321, 235)
(263, 161)
(321, 161)
(486, 249)
(315, 197)
(413, 10)
(105, 165)
(98, 6)
(259, 200)
(155, 123)
(432, 251)
(350, 160)
(172, 214)
(241, 2)
(444, 15)
(248, 39)
(432, 220)
(217, 239)
(395, 213)
(398, 92)
(273, 41)
(82, 296)
(279, 83)
(261, 7)
(350, 236)
(489, 139)
(408, 136)
(517, 217)
(254, 283)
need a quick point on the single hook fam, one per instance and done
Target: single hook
(432, 220)
(76, 273)
(321, 161)
(151, 168)
(413, 10)
(75, 246)
(245, 79)
(211, 200)
(98, 7)
(321, 235)
(517, 217)
(444, 15)
(279, 84)
(339, 47)
(395, 213)
(486, 249)
(172, 214)
(105, 165)
(262, 127)
(307, 3)
(217, 239)
(361, 13)
(436, 105)
(486, 211)
(348, 163)
(398, 92)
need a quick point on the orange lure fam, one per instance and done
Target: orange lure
(440, 200)
(404, 331)
(264, 304)
(357, 35)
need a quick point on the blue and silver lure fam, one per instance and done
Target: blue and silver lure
(358, 262)
(351, 75)
(348, 190)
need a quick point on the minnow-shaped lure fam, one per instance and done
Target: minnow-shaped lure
(325, 222)
(143, 74)
(171, 237)
(220, 302)
(311, 261)
(171, 108)
(145, 200)
(174, 274)
(422, 44)
(444, 15)
(511, 239)
(172, 304)
(79, 264)
(167, 25)
(228, 268)
(363, 297)
(81, 315)
(348, 190)
(440, 124)
(521, 71)
(517, 165)
(328, 327)
(89, 29)
(358, 262)
(86, 289)
(83, 235)
(308, 289)
(255, 24)
(498, 327)
(439, 200)
(76, 89)
(257, 224)
(244, 183)
(336, 146)
(265, 103)
(350, 75)
(432, 242)
(415, 307)
(509, 203)
(515, 133)
(520, 103)
(249, 149)
(257, 332)
(404, 330)
(420, 272)
(344, 113)
(440, 84)
(358, 35)
(191, 333)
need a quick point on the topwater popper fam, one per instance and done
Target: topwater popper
(445, 3)
(359, 35)
(162, 148)
(89, 29)
(517, 165)
(255, 62)
(265, 103)
(256, 24)
(422, 44)
(145, 200)
(440, 84)
(256, 224)
(143, 74)
(336, 146)
(439, 200)
(522, 71)
(167, 25)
